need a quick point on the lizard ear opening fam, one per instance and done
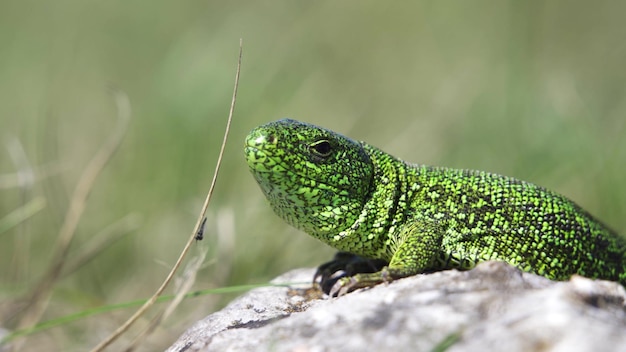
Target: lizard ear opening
(321, 148)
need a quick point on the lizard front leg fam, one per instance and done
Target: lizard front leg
(415, 248)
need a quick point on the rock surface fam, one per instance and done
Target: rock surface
(493, 307)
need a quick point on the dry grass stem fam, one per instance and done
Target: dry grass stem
(41, 293)
(150, 302)
(102, 240)
(21, 214)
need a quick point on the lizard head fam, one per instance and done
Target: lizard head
(316, 180)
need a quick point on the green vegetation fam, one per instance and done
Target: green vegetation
(531, 90)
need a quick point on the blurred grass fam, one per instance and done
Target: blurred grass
(532, 90)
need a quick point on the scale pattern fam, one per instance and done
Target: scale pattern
(418, 218)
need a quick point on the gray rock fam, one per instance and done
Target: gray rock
(493, 307)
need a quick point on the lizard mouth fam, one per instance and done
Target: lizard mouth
(262, 160)
(257, 159)
(256, 154)
(284, 155)
(286, 184)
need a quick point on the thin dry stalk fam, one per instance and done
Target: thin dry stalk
(101, 241)
(26, 181)
(41, 293)
(183, 287)
(150, 302)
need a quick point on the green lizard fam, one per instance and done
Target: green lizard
(417, 218)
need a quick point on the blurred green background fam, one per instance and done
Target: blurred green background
(534, 90)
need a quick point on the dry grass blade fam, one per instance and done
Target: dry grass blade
(183, 287)
(21, 214)
(101, 241)
(150, 302)
(14, 180)
(25, 182)
(41, 293)
(25, 172)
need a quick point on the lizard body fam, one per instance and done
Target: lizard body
(417, 218)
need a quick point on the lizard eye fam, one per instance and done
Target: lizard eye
(321, 148)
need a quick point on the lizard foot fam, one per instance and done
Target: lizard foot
(348, 284)
(344, 266)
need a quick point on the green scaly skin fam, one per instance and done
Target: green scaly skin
(418, 218)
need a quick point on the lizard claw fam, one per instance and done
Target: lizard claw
(343, 286)
(351, 283)
(337, 273)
